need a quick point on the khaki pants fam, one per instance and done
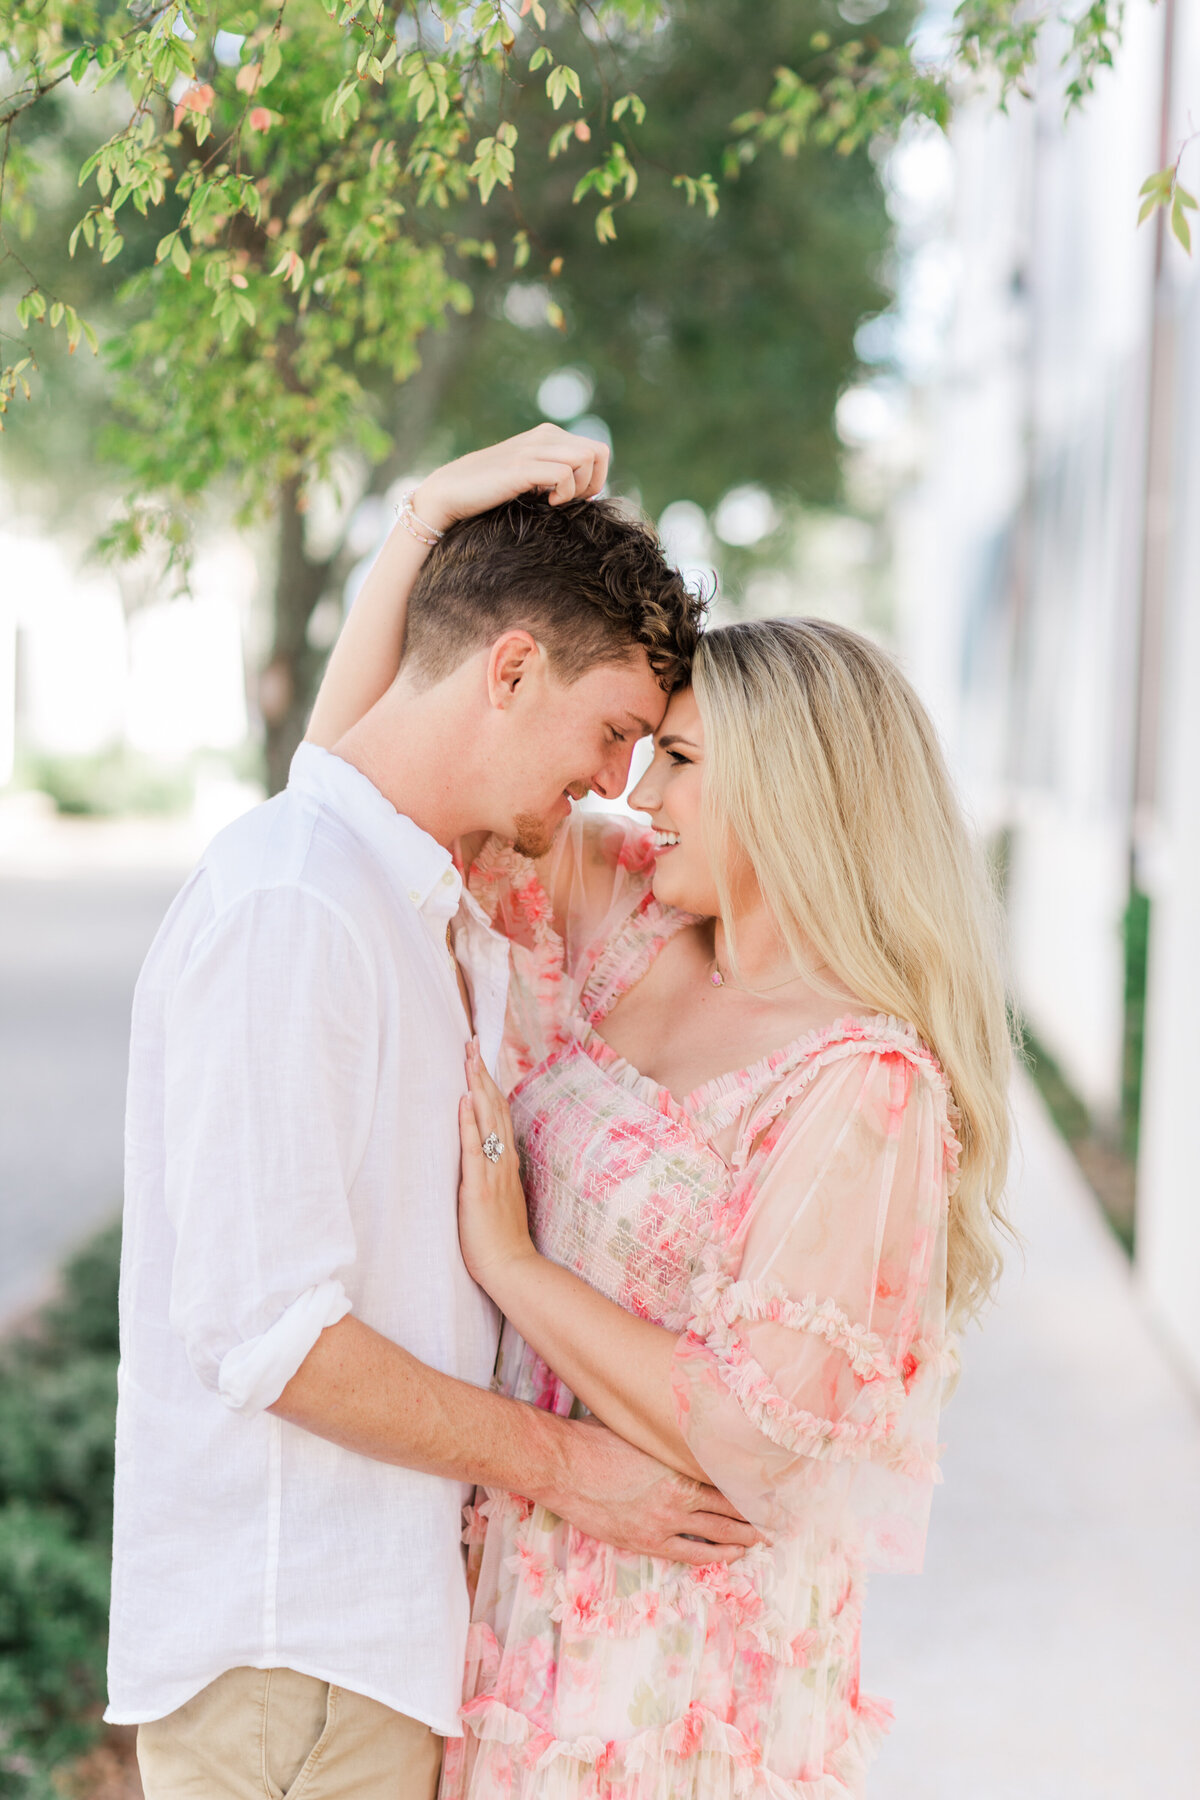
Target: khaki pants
(261, 1734)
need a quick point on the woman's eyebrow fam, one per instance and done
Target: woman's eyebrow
(665, 743)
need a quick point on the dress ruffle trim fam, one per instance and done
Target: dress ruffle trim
(723, 1302)
(726, 1304)
(727, 1096)
(628, 954)
(501, 873)
(718, 1103)
(853, 1035)
(578, 1609)
(500, 869)
(698, 1733)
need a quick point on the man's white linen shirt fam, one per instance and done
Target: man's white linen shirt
(292, 1155)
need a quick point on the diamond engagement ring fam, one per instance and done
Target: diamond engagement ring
(493, 1149)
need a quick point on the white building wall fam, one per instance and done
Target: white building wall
(1090, 284)
(8, 687)
(166, 680)
(1169, 864)
(1021, 577)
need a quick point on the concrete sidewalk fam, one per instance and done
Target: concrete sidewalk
(80, 901)
(1051, 1649)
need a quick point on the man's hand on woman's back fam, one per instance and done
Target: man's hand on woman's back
(629, 1500)
(362, 1391)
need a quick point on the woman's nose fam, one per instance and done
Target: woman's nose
(645, 796)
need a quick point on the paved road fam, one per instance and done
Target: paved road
(70, 949)
(1050, 1650)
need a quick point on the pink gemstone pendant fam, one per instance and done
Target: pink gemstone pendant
(717, 979)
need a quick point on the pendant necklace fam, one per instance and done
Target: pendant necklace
(717, 980)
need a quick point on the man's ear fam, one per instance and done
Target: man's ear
(510, 660)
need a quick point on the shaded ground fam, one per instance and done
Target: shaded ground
(110, 1771)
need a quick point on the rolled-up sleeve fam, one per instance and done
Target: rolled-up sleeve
(271, 1062)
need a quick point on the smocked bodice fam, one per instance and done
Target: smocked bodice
(621, 1195)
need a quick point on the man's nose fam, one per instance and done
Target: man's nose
(609, 781)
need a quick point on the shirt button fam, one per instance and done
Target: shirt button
(448, 878)
(414, 896)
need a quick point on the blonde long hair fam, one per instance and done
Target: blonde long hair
(823, 770)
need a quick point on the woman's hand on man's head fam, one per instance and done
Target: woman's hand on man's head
(556, 462)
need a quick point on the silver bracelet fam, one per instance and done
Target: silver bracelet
(414, 525)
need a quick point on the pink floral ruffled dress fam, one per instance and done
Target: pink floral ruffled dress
(790, 1221)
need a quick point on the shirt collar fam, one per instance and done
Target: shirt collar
(420, 866)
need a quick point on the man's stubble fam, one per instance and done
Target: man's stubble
(533, 835)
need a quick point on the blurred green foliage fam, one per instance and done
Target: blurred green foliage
(1135, 932)
(424, 318)
(718, 340)
(110, 784)
(58, 1391)
(1096, 1144)
(717, 346)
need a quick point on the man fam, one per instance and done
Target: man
(304, 1358)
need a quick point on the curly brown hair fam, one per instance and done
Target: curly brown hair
(586, 579)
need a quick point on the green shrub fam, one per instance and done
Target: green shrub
(56, 1438)
(57, 1410)
(53, 1629)
(84, 1317)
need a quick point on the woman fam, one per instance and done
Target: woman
(760, 1100)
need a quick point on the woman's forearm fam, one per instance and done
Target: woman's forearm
(366, 657)
(364, 661)
(618, 1365)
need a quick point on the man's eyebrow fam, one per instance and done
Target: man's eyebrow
(644, 727)
(665, 743)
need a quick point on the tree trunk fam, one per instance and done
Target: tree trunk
(285, 685)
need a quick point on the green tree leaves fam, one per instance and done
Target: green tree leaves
(494, 161)
(616, 171)
(1162, 192)
(717, 340)
(560, 82)
(245, 187)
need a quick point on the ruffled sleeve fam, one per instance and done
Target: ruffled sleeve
(558, 913)
(809, 1381)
